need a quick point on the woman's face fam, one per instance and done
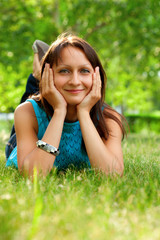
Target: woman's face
(73, 75)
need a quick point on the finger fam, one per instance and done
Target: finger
(98, 77)
(98, 82)
(45, 76)
(42, 79)
(93, 90)
(53, 77)
(51, 82)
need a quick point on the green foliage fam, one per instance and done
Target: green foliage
(124, 33)
(84, 204)
(144, 122)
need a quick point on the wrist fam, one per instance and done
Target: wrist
(60, 111)
(82, 114)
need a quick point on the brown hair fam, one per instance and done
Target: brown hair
(100, 110)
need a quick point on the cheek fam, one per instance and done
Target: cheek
(88, 82)
(57, 82)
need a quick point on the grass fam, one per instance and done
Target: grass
(85, 205)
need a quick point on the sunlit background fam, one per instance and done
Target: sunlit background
(124, 33)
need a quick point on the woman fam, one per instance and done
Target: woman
(69, 114)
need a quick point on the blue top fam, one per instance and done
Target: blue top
(72, 151)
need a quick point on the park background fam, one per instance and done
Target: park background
(124, 33)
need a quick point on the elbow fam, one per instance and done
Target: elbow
(25, 168)
(26, 165)
(120, 170)
(118, 166)
(20, 166)
(32, 168)
(116, 169)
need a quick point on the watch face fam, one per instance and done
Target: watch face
(40, 143)
(47, 147)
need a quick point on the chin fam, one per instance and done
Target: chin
(74, 101)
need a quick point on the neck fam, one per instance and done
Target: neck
(71, 115)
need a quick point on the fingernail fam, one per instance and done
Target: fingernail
(96, 69)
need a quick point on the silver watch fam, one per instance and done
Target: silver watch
(47, 147)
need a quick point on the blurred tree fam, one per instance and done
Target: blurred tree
(124, 33)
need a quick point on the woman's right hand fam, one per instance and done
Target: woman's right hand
(50, 92)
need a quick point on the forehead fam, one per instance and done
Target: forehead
(70, 55)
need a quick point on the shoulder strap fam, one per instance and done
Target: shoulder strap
(35, 106)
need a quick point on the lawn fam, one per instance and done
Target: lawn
(85, 205)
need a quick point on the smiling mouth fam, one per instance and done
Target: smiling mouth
(75, 91)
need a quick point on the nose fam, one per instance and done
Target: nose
(74, 78)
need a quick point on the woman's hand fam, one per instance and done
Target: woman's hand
(93, 96)
(49, 91)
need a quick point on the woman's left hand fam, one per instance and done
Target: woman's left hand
(93, 96)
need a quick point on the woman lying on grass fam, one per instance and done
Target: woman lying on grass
(69, 115)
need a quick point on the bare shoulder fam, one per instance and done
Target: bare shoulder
(24, 110)
(24, 116)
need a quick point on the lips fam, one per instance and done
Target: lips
(74, 91)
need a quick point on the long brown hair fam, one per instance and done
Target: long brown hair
(100, 110)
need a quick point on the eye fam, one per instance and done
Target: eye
(85, 70)
(64, 71)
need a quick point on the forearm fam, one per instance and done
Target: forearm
(99, 155)
(54, 130)
(39, 158)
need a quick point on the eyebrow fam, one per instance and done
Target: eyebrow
(65, 65)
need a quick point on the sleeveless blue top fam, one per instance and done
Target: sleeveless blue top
(72, 151)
